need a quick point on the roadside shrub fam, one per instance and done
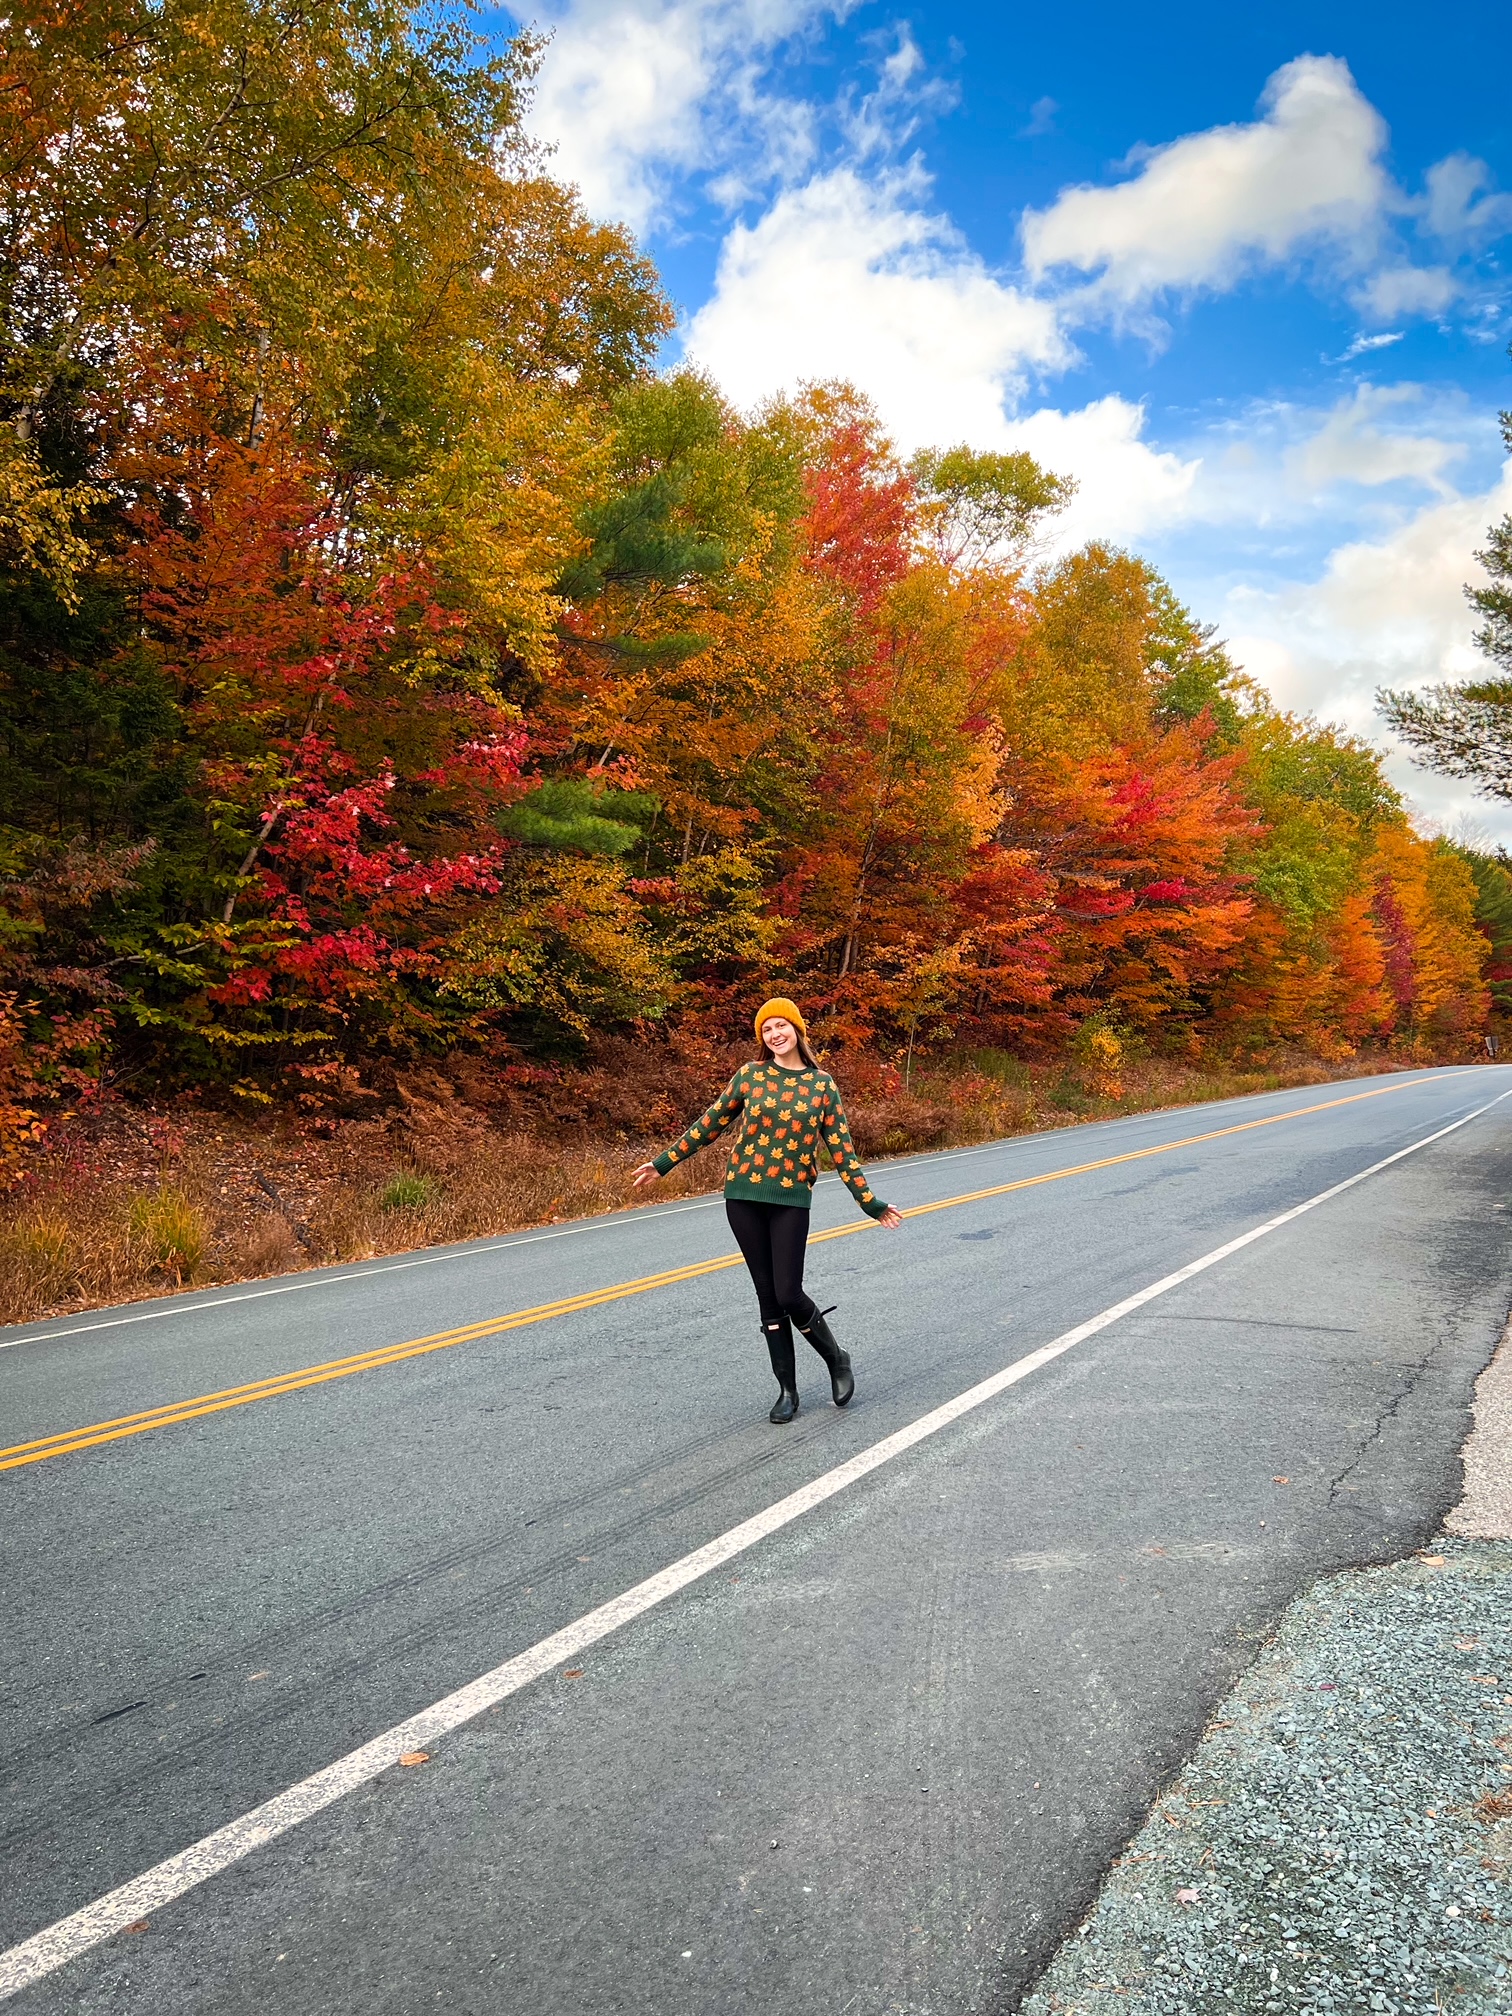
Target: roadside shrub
(1100, 1049)
(35, 1261)
(1001, 1066)
(409, 1191)
(1069, 1095)
(267, 1247)
(41, 1241)
(172, 1229)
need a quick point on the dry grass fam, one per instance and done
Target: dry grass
(36, 1261)
(172, 1231)
(519, 1181)
(268, 1246)
(73, 1252)
(89, 1243)
(442, 1172)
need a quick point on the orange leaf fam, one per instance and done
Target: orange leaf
(415, 1757)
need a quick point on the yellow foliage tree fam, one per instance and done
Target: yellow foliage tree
(1424, 899)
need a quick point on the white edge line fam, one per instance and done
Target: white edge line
(57, 1944)
(605, 1220)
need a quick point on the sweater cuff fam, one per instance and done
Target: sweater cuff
(876, 1208)
(663, 1162)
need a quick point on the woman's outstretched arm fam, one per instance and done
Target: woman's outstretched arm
(837, 1138)
(705, 1129)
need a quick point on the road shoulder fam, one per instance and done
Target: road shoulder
(1342, 1838)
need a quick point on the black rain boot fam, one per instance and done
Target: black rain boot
(823, 1339)
(779, 1343)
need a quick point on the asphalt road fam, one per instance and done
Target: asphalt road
(878, 1762)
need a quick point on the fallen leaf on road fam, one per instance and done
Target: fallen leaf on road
(1187, 1896)
(1485, 1679)
(572, 1672)
(140, 1925)
(1466, 1644)
(415, 1757)
(1494, 1806)
(1280, 1480)
(1433, 1560)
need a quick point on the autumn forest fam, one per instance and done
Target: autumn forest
(398, 665)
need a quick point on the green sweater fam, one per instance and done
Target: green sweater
(775, 1160)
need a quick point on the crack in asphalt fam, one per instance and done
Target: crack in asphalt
(1404, 1392)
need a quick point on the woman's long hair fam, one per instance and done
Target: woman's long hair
(805, 1051)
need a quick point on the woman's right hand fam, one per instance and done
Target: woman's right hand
(646, 1173)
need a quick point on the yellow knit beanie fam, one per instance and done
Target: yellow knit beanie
(788, 1010)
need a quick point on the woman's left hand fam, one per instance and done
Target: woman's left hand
(892, 1218)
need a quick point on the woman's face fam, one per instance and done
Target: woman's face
(779, 1035)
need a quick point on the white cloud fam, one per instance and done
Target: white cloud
(1203, 209)
(1462, 206)
(635, 92)
(1362, 344)
(1350, 447)
(853, 278)
(1407, 290)
(1126, 488)
(1284, 484)
(1384, 612)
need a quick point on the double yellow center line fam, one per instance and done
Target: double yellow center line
(279, 1383)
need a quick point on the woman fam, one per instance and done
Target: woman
(790, 1108)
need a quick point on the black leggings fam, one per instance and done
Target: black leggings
(772, 1238)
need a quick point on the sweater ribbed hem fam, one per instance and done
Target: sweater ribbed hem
(800, 1197)
(800, 1194)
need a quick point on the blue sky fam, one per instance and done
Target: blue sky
(1250, 281)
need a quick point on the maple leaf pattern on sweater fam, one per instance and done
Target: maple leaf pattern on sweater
(788, 1119)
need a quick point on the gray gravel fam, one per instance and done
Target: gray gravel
(1342, 1840)
(1485, 1511)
